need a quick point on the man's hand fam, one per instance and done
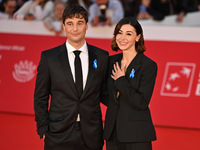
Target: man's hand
(180, 17)
(29, 17)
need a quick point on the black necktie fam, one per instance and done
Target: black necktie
(78, 73)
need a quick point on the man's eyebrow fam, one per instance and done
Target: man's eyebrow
(81, 21)
(78, 21)
(69, 21)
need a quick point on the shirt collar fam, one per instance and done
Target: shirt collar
(70, 48)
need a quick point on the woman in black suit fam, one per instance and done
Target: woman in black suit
(131, 79)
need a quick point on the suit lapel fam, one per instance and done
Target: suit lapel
(91, 70)
(119, 59)
(114, 90)
(135, 64)
(63, 58)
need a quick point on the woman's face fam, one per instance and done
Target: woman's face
(127, 37)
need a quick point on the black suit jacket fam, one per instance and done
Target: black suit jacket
(54, 80)
(130, 113)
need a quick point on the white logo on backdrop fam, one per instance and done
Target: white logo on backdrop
(178, 79)
(24, 71)
(197, 93)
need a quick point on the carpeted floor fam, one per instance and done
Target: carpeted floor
(18, 132)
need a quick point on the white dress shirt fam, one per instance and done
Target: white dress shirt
(84, 63)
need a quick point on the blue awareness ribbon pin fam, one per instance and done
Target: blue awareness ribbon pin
(132, 74)
(95, 63)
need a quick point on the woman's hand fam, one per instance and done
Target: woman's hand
(117, 71)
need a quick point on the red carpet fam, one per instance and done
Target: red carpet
(18, 132)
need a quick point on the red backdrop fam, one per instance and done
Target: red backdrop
(176, 98)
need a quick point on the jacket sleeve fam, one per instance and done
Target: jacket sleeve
(140, 97)
(104, 92)
(41, 96)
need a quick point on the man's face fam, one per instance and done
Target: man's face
(75, 29)
(10, 6)
(58, 10)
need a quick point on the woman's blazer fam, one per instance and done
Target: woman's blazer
(129, 112)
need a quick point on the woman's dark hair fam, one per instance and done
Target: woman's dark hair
(76, 11)
(139, 46)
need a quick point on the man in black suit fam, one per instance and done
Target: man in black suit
(73, 120)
